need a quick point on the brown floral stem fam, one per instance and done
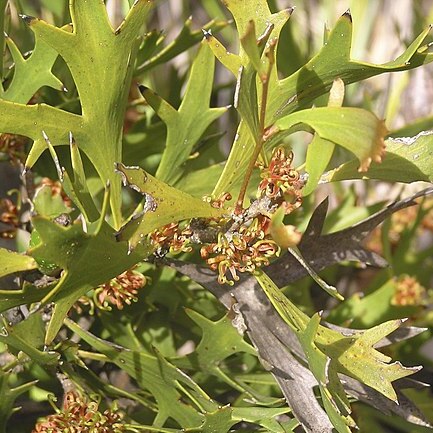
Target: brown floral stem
(262, 118)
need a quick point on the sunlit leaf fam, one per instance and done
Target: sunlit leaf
(406, 160)
(186, 125)
(102, 77)
(333, 396)
(32, 73)
(315, 78)
(87, 260)
(342, 126)
(13, 262)
(355, 355)
(164, 205)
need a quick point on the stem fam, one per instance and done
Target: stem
(93, 356)
(3, 5)
(262, 117)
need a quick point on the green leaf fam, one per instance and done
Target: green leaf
(186, 125)
(32, 73)
(169, 385)
(406, 160)
(183, 41)
(87, 260)
(312, 80)
(95, 55)
(319, 154)
(218, 421)
(9, 395)
(164, 204)
(334, 398)
(334, 61)
(263, 416)
(49, 204)
(27, 295)
(319, 151)
(243, 145)
(342, 126)
(13, 262)
(3, 5)
(246, 103)
(355, 355)
(253, 47)
(200, 182)
(231, 61)
(373, 309)
(25, 337)
(258, 11)
(219, 340)
(76, 186)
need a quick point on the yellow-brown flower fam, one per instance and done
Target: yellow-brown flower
(172, 238)
(80, 415)
(246, 250)
(408, 291)
(13, 146)
(9, 217)
(120, 290)
(280, 181)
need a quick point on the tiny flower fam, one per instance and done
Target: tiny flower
(79, 414)
(9, 217)
(248, 249)
(408, 291)
(172, 238)
(120, 290)
(220, 201)
(280, 181)
(13, 146)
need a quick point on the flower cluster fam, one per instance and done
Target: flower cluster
(400, 222)
(80, 415)
(9, 217)
(245, 243)
(120, 290)
(408, 291)
(13, 146)
(281, 182)
(242, 251)
(171, 238)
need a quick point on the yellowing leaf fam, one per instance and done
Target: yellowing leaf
(13, 262)
(355, 355)
(164, 205)
(355, 129)
(407, 159)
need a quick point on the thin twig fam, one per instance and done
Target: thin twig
(262, 119)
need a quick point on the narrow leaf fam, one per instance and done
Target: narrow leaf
(164, 204)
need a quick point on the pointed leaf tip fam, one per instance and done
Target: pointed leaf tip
(142, 88)
(28, 19)
(348, 14)
(207, 33)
